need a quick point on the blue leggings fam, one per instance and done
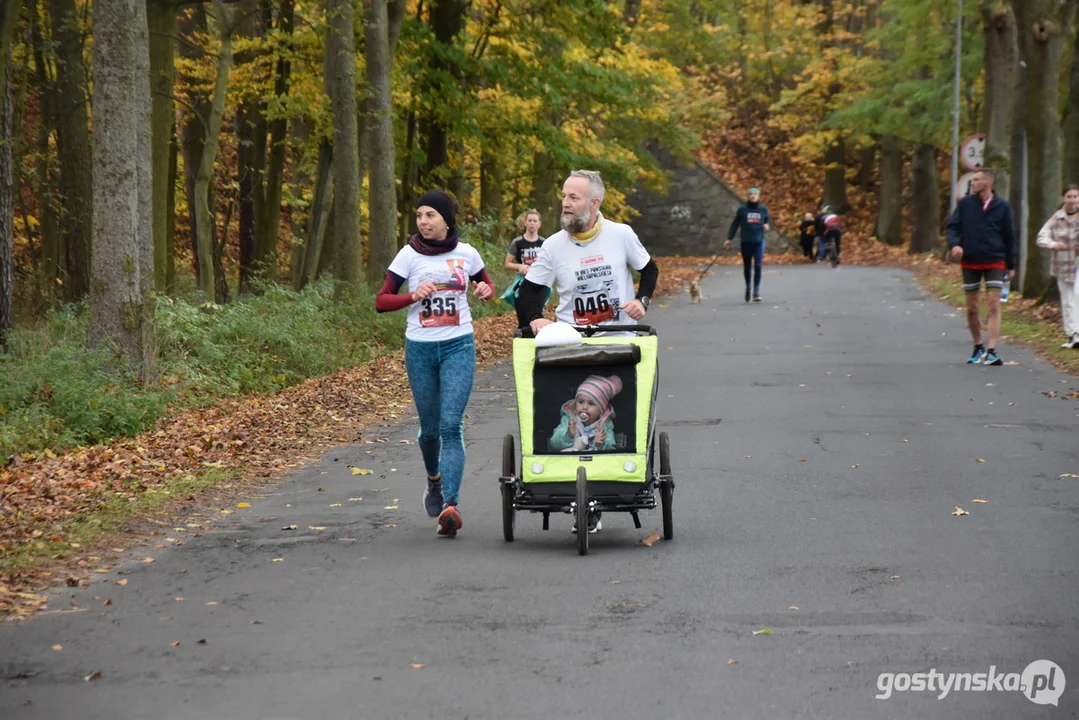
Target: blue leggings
(441, 374)
(751, 252)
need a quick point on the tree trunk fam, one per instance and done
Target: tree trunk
(1045, 23)
(458, 186)
(117, 290)
(204, 215)
(1071, 122)
(1001, 62)
(381, 182)
(867, 165)
(194, 131)
(76, 187)
(144, 177)
(546, 184)
(446, 19)
(220, 241)
(326, 257)
(925, 200)
(890, 218)
(250, 152)
(395, 14)
(170, 213)
(54, 254)
(245, 180)
(1017, 196)
(161, 18)
(269, 224)
(409, 177)
(7, 182)
(318, 218)
(8, 21)
(348, 256)
(302, 180)
(835, 177)
(492, 183)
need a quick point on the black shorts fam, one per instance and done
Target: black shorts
(972, 279)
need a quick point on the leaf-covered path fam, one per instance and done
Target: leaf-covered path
(821, 441)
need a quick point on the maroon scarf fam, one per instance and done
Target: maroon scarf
(427, 247)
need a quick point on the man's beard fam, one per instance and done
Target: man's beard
(576, 223)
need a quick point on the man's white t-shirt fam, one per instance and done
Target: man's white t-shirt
(445, 315)
(592, 279)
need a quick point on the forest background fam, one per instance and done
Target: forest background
(198, 199)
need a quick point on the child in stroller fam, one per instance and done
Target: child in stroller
(587, 417)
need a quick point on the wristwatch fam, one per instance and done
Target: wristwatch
(645, 300)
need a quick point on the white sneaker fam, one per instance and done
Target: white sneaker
(1072, 342)
(592, 529)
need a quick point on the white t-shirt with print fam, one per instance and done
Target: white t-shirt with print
(592, 279)
(445, 315)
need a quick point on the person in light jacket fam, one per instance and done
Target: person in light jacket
(1061, 235)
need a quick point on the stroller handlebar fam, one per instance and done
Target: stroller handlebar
(590, 330)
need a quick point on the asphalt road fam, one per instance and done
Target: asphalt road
(820, 441)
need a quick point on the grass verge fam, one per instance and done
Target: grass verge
(56, 393)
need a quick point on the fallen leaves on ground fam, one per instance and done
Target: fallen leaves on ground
(763, 631)
(650, 540)
(979, 500)
(959, 511)
(258, 435)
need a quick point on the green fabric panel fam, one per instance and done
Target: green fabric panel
(524, 360)
(646, 383)
(560, 468)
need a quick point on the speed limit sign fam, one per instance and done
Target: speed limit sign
(972, 152)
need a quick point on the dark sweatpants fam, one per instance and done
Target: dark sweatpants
(753, 252)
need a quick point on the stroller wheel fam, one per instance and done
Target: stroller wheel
(666, 486)
(509, 470)
(509, 515)
(582, 511)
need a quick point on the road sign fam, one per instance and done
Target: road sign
(972, 152)
(962, 187)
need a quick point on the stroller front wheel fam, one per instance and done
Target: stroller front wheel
(666, 486)
(582, 511)
(509, 515)
(509, 489)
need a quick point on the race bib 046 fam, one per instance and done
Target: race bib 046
(594, 308)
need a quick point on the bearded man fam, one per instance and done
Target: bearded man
(588, 263)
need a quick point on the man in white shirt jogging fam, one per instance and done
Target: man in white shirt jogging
(588, 263)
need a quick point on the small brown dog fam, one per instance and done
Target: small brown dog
(694, 292)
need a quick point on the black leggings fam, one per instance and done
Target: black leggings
(753, 252)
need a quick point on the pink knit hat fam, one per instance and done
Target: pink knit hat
(601, 389)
